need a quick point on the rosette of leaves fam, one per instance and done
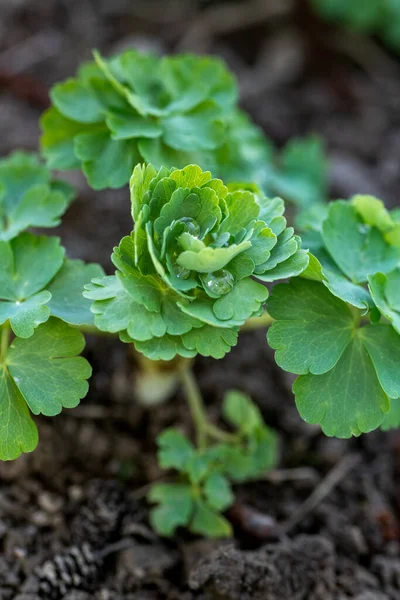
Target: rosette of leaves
(138, 107)
(337, 324)
(29, 196)
(186, 275)
(203, 489)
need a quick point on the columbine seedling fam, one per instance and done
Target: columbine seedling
(189, 274)
(193, 271)
(171, 111)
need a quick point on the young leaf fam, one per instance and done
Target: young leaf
(28, 264)
(239, 410)
(47, 370)
(165, 348)
(349, 374)
(210, 341)
(18, 432)
(174, 449)
(348, 399)
(359, 250)
(209, 523)
(175, 506)
(218, 492)
(245, 299)
(313, 327)
(28, 195)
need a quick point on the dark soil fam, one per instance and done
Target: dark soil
(73, 520)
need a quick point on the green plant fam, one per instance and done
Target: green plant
(204, 488)
(185, 279)
(134, 107)
(193, 272)
(336, 326)
(170, 111)
(41, 305)
(376, 17)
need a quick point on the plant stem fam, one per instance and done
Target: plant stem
(4, 341)
(258, 322)
(196, 406)
(204, 428)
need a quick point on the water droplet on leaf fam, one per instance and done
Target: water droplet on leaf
(191, 226)
(363, 228)
(180, 271)
(219, 283)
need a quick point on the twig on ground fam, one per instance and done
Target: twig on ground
(339, 472)
(23, 56)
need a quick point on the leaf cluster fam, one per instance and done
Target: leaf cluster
(337, 325)
(374, 17)
(40, 297)
(203, 489)
(170, 112)
(186, 275)
(29, 196)
(138, 107)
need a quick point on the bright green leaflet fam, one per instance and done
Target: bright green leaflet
(312, 329)
(43, 374)
(358, 249)
(28, 264)
(348, 373)
(348, 399)
(47, 370)
(18, 432)
(28, 195)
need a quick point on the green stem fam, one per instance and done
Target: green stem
(196, 406)
(4, 341)
(204, 428)
(219, 434)
(258, 322)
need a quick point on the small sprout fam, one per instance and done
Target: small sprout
(203, 490)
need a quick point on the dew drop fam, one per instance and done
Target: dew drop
(363, 228)
(219, 283)
(191, 226)
(180, 272)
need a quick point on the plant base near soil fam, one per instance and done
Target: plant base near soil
(347, 547)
